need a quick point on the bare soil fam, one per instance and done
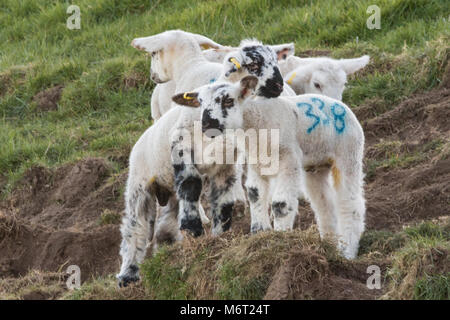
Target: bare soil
(52, 220)
(47, 100)
(53, 217)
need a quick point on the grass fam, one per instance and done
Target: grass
(109, 217)
(229, 268)
(414, 263)
(105, 101)
(243, 267)
(420, 268)
(104, 108)
(395, 154)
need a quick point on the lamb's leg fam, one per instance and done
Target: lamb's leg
(323, 200)
(350, 196)
(286, 190)
(238, 190)
(166, 226)
(222, 199)
(188, 183)
(257, 190)
(137, 229)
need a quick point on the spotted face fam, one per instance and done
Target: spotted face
(259, 61)
(220, 104)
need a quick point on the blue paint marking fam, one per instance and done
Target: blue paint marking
(337, 110)
(321, 105)
(212, 80)
(339, 114)
(308, 113)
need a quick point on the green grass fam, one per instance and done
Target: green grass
(392, 154)
(416, 260)
(232, 286)
(100, 114)
(166, 280)
(420, 267)
(104, 108)
(434, 287)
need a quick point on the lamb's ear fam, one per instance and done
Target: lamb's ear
(352, 65)
(247, 86)
(231, 64)
(205, 42)
(284, 50)
(188, 99)
(149, 44)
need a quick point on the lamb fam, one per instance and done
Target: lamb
(161, 166)
(318, 134)
(320, 75)
(161, 96)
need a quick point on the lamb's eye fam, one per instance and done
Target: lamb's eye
(317, 85)
(252, 67)
(227, 102)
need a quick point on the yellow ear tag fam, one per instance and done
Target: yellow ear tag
(235, 62)
(185, 96)
(152, 180)
(205, 46)
(291, 78)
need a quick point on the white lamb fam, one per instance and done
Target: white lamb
(318, 134)
(161, 97)
(320, 75)
(161, 166)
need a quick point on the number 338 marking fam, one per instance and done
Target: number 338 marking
(337, 110)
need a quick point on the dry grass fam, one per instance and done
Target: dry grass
(34, 285)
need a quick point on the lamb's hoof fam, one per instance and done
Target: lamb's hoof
(131, 276)
(346, 252)
(193, 225)
(257, 227)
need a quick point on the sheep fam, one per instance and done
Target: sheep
(318, 135)
(160, 101)
(161, 96)
(282, 51)
(320, 75)
(161, 168)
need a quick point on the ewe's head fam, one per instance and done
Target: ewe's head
(323, 75)
(253, 58)
(220, 104)
(168, 46)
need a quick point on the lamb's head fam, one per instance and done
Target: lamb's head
(220, 103)
(254, 58)
(283, 51)
(217, 55)
(167, 46)
(323, 75)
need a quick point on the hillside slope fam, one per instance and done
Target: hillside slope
(73, 103)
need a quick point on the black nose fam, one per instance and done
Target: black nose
(279, 87)
(210, 126)
(273, 86)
